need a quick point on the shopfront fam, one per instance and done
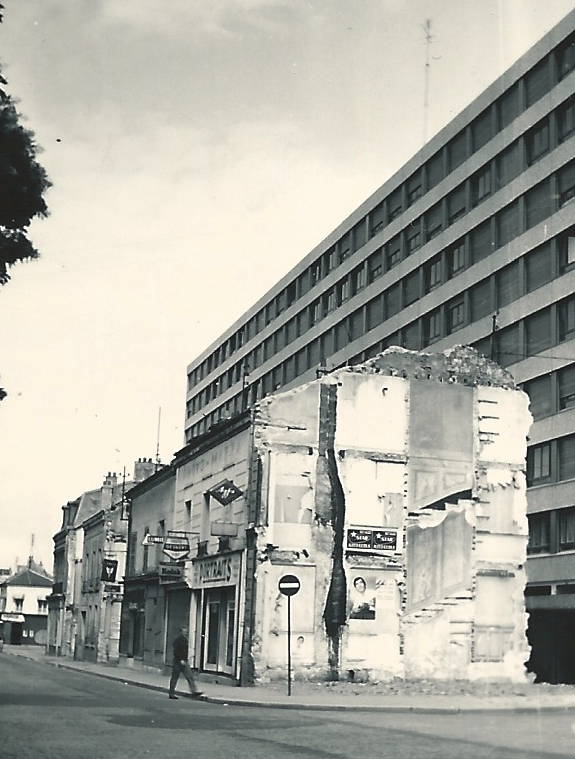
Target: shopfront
(216, 590)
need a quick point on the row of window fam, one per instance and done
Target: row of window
(551, 461)
(497, 116)
(538, 267)
(551, 393)
(552, 531)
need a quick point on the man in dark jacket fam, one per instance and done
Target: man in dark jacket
(181, 665)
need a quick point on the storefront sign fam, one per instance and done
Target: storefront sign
(109, 570)
(225, 492)
(177, 546)
(170, 573)
(216, 571)
(11, 617)
(365, 539)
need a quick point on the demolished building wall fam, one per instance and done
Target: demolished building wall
(395, 491)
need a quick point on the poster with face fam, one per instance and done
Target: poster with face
(362, 597)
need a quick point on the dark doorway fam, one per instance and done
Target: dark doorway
(551, 635)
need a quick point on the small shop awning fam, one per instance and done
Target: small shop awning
(11, 617)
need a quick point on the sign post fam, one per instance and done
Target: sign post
(289, 586)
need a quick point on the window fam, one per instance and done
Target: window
(19, 603)
(356, 324)
(375, 312)
(411, 339)
(456, 258)
(566, 456)
(413, 240)
(330, 301)
(329, 260)
(42, 605)
(433, 326)
(411, 288)
(537, 141)
(509, 164)
(394, 205)
(360, 234)
(539, 268)
(455, 315)
(539, 392)
(432, 274)
(538, 464)
(481, 185)
(414, 188)
(377, 219)
(566, 119)
(566, 314)
(457, 150)
(538, 334)
(433, 221)
(358, 279)
(393, 300)
(566, 58)
(566, 183)
(537, 82)
(566, 386)
(345, 253)
(480, 241)
(434, 170)
(539, 531)
(481, 129)
(343, 291)
(316, 312)
(315, 273)
(508, 106)
(538, 203)
(507, 284)
(480, 300)
(393, 252)
(507, 347)
(456, 204)
(566, 520)
(508, 224)
(375, 265)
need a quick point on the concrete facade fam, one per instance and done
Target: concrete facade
(395, 492)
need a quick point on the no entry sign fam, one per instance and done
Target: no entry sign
(289, 585)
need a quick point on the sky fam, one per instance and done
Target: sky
(197, 150)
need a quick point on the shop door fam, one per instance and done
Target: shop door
(219, 631)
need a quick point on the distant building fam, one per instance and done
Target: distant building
(471, 242)
(24, 607)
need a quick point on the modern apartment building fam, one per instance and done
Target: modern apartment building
(471, 242)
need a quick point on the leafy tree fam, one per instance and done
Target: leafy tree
(22, 185)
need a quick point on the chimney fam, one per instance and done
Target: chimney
(143, 468)
(107, 490)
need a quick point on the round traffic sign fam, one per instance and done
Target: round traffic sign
(289, 585)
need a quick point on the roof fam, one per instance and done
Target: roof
(28, 578)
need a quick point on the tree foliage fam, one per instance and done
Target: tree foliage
(23, 183)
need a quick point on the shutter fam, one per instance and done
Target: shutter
(539, 267)
(480, 239)
(377, 219)
(538, 332)
(508, 106)
(538, 205)
(456, 203)
(567, 458)
(434, 221)
(411, 337)
(567, 387)
(392, 301)
(375, 312)
(411, 288)
(539, 392)
(480, 300)
(481, 129)
(566, 182)
(537, 82)
(508, 223)
(434, 170)
(508, 349)
(457, 151)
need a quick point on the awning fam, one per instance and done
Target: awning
(10, 617)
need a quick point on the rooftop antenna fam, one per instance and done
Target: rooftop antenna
(158, 463)
(428, 40)
(31, 557)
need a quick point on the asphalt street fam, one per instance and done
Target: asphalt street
(51, 713)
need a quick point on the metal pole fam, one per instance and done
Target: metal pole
(289, 643)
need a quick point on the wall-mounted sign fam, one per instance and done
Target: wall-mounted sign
(369, 539)
(177, 546)
(112, 588)
(152, 540)
(170, 573)
(109, 570)
(216, 571)
(225, 492)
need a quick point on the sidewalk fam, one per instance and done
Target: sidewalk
(333, 697)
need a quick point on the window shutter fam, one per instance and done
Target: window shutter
(537, 82)
(538, 331)
(508, 223)
(539, 267)
(481, 129)
(539, 392)
(567, 387)
(567, 458)
(480, 300)
(538, 203)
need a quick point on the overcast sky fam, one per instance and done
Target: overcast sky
(198, 149)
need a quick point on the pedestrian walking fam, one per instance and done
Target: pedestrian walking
(181, 665)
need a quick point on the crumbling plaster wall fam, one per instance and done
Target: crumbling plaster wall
(388, 481)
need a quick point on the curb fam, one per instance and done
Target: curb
(388, 708)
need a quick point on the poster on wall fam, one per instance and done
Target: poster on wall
(362, 597)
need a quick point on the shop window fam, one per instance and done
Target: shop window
(434, 170)
(481, 185)
(456, 204)
(538, 333)
(509, 164)
(480, 300)
(540, 396)
(566, 183)
(566, 386)
(566, 318)
(538, 464)
(537, 82)
(456, 258)
(566, 455)
(537, 141)
(455, 315)
(539, 533)
(539, 269)
(432, 274)
(566, 520)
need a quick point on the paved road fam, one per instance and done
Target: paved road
(50, 713)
